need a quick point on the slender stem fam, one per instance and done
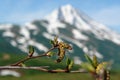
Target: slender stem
(32, 57)
(42, 68)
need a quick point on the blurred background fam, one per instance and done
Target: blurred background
(90, 26)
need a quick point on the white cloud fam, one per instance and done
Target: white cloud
(109, 16)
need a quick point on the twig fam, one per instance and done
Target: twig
(42, 68)
(18, 67)
(32, 57)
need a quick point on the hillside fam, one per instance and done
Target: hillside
(72, 26)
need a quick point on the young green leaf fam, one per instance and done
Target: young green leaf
(55, 41)
(50, 54)
(88, 67)
(95, 62)
(69, 63)
(22, 65)
(31, 51)
(89, 60)
(51, 42)
(103, 65)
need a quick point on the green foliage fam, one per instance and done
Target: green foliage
(89, 60)
(50, 54)
(95, 61)
(88, 67)
(97, 69)
(58, 76)
(49, 76)
(31, 51)
(51, 42)
(69, 63)
(22, 64)
(101, 66)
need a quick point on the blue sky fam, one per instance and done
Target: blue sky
(21, 11)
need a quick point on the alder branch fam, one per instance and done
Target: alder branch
(41, 68)
(98, 70)
(61, 49)
(32, 57)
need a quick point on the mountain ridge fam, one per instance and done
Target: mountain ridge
(85, 35)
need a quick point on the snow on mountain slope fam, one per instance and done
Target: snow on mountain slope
(33, 27)
(82, 22)
(27, 40)
(24, 31)
(8, 33)
(67, 14)
(83, 33)
(21, 37)
(30, 26)
(79, 35)
(5, 26)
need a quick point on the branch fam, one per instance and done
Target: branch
(32, 57)
(60, 46)
(42, 68)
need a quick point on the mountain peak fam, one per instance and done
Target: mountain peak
(80, 21)
(84, 34)
(69, 15)
(68, 6)
(64, 13)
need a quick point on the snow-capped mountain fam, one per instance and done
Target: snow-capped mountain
(82, 22)
(72, 26)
